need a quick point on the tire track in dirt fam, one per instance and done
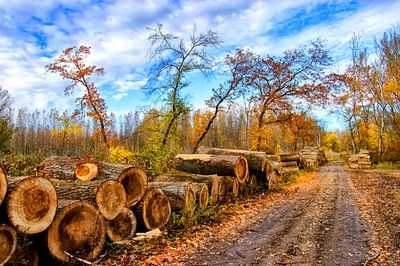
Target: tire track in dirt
(318, 225)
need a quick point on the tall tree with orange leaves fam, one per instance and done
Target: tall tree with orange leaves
(71, 65)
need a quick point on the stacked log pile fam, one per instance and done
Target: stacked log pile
(362, 160)
(312, 157)
(290, 162)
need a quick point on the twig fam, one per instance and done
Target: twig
(79, 259)
(372, 258)
(105, 254)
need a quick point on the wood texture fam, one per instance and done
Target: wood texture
(134, 180)
(86, 171)
(3, 184)
(201, 195)
(219, 189)
(110, 198)
(122, 227)
(287, 157)
(8, 243)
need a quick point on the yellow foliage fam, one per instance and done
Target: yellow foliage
(120, 154)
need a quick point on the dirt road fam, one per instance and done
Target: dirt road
(319, 224)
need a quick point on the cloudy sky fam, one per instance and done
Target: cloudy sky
(33, 32)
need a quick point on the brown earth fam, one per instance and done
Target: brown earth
(333, 217)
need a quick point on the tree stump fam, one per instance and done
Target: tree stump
(153, 210)
(3, 184)
(8, 243)
(208, 164)
(201, 195)
(122, 227)
(134, 180)
(31, 204)
(79, 230)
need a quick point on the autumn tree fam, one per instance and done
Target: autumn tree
(331, 142)
(71, 65)
(173, 59)
(238, 67)
(280, 82)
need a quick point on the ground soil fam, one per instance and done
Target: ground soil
(335, 216)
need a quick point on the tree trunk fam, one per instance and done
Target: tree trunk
(207, 164)
(181, 195)
(78, 229)
(290, 157)
(273, 157)
(86, 171)
(122, 227)
(60, 167)
(153, 210)
(31, 203)
(277, 167)
(8, 243)
(109, 196)
(3, 185)
(134, 180)
(219, 189)
(201, 195)
(255, 159)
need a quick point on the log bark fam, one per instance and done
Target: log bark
(290, 157)
(78, 229)
(60, 167)
(218, 190)
(290, 164)
(122, 227)
(109, 196)
(86, 171)
(8, 243)
(31, 203)
(134, 180)
(3, 184)
(273, 157)
(181, 195)
(201, 195)
(153, 210)
(208, 164)
(255, 159)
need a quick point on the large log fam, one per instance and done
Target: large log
(60, 167)
(122, 227)
(255, 159)
(3, 184)
(8, 243)
(290, 157)
(77, 232)
(31, 203)
(201, 195)
(109, 196)
(208, 164)
(153, 210)
(134, 180)
(181, 195)
(290, 164)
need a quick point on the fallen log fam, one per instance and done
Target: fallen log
(31, 203)
(277, 167)
(255, 159)
(153, 210)
(134, 180)
(60, 167)
(290, 157)
(201, 195)
(3, 184)
(122, 227)
(181, 195)
(109, 196)
(208, 164)
(8, 243)
(273, 157)
(86, 171)
(77, 232)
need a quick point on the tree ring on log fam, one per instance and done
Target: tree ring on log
(190, 199)
(110, 198)
(203, 196)
(3, 184)
(241, 169)
(78, 229)
(32, 205)
(156, 208)
(122, 227)
(134, 180)
(8, 243)
(86, 171)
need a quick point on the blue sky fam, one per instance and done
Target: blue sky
(33, 32)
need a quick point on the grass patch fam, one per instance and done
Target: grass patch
(387, 166)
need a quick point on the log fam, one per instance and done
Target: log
(289, 164)
(134, 180)
(219, 189)
(122, 227)
(255, 159)
(3, 184)
(153, 210)
(109, 196)
(181, 195)
(268, 169)
(233, 186)
(273, 157)
(201, 195)
(60, 167)
(290, 170)
(208, 164)
(277, 167)
(110, 170)
(31, 204)
(79, 230)
(86, 171)
(8, 243)
(289, 157)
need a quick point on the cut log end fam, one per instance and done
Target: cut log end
(190, 200)
(3, 184)
(8, 243)
(134, 180)
(78, 229)
(110, 198)
(202, 196)
(86, 171)
(122, 227)
(32, 205)
(241, 169)
(156, 208)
